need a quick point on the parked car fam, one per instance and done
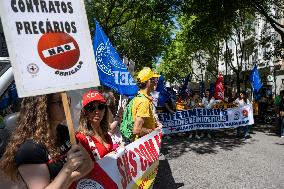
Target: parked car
(9, 103)
(9, 106)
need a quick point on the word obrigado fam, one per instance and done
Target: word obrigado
(39, 6)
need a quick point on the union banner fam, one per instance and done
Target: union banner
(133, 166)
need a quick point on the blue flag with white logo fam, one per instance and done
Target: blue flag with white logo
(164, 95)
(184, 86)
(255, 80)
(112, 71)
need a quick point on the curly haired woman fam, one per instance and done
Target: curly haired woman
(39, 147)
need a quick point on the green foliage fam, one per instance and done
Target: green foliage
(138, 29)
(177, 33)
(176, 62)
(217, 19)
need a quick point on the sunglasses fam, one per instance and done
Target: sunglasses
(93, 107)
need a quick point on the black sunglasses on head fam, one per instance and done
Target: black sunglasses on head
(92, 107)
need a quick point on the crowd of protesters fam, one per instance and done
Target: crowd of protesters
(191, 100)
(266, 109)
(40, 152)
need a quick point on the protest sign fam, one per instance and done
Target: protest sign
(201, 118)
(50, 46)
(133, 166)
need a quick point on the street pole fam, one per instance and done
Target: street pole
(245, 74)
(274, 77)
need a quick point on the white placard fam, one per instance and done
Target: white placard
(49, 44)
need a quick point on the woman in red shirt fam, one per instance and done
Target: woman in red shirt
(93, 125)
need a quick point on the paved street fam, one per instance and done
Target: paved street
(223, 162)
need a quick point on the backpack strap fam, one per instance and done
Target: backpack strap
(140, 95)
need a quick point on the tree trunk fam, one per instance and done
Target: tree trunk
(238, 82)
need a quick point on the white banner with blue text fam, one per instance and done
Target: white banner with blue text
(201, 118)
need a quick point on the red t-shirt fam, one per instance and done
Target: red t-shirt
(96, 149)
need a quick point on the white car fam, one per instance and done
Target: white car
(6, 82)
(9, 104)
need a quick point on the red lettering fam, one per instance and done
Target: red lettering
(122, 173)
(133, 163)
(148, 157)
(126, 166)
(145, 152)
(143, 161)
(149, 145)
(158, 139)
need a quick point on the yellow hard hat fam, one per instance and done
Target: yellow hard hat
(145, 74)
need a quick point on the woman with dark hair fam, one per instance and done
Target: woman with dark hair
(94, 125)
(240, 102)
(40, 145)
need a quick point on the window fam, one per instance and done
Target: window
(4, 65)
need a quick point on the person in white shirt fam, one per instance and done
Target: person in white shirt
(205, 99)
(195, 102)
(208, 103)
(240, 102)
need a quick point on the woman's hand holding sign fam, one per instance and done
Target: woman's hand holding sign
(78, 162)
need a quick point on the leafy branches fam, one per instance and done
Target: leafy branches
(139, 29)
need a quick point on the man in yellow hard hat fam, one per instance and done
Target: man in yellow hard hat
(142, 109)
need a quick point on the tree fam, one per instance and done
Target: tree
(273, 11)
(233, 21)
(139, 30)
(225, 11)
(243, 40)
(176, 62)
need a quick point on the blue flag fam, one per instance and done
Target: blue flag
(184, 87)
(112, 71)
(164, 95)
(255, 80)
(211, 89)
(201, 89)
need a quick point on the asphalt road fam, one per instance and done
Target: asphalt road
(224, 162)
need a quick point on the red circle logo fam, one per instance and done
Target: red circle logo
(58, 50)
(245, 113)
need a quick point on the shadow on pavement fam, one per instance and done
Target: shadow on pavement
(164, 178)
(179, 145)
(269, 129)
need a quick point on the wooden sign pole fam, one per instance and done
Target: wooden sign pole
(67, 111)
